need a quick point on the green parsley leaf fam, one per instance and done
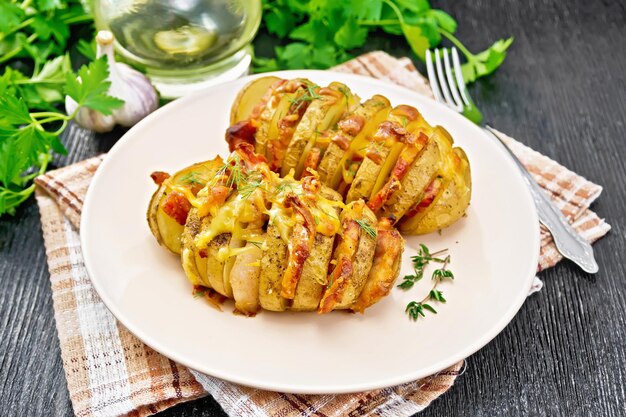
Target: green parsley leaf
(91, 90)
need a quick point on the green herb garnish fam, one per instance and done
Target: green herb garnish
(321, 34)
(420, 261)
(367, 227)
(415, 309)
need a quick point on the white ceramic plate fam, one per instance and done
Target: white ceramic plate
(494, 257)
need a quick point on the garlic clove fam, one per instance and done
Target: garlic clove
(140, 97)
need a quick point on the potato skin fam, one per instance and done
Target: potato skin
(451, 203)
(415, 182)
(273, 266)
(244, 279)
(363, 260)
(188, 249)
(215, 266)
(249, 97)
(151, 215)
(313, 279)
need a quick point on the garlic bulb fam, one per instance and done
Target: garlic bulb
(140, 97)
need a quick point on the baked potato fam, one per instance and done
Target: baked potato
(342, 136)
(269, 242)
(171, 202)
(385, 144)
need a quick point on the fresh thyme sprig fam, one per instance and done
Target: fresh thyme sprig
(415, 309)
(420, 261)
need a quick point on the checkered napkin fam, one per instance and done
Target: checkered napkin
(111, 373)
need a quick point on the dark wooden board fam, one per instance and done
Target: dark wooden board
(562, 90)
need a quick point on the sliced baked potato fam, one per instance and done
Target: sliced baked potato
(385, 268)
(449, 204)
(189, 255)
(386, 143)
(314, 273)
(328, 105)
(347, 129)
(273, 266)
(253, 97)
(244, 278)
(352, 257)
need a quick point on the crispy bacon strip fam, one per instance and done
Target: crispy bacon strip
(384, 271)
(312, 160)
(413, 147)
(427, 199)
(277, 147)
(177, 207)
(258, 109)
(341, 274)
(159, 176)
(352, 124)
(241, 132)
(299, 246)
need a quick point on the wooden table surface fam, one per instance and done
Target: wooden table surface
(562, 90)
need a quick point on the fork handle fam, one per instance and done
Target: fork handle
(568, 242)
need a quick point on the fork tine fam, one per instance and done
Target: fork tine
(442, 81)
(458, 105)
(434, 84)
(459, 76)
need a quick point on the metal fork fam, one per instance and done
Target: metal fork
(450, 89)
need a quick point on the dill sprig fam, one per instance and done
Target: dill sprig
(309, 95)
(191, 178)
(367, 227)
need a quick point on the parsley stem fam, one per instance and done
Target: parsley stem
(457, 43)
(396, 10)
(383, 22)
(78, 19)
(22, 25)
(49, 114)
(17, 50)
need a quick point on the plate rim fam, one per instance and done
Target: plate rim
(462, 354)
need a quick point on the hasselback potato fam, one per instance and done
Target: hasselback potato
(275, 243)
(402, 167)
(302, 215)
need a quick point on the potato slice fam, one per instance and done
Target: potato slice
(286, 118)
(273, 265)
(234, 244)
(188, 250)
(356, 151)
(449, 205)
(363, 259)
(347, 129)
(327, 106)
(385, 144)
(215, 263)
(314, 273)
(170, 229)
(250, 97)
(413, 184)
(385, 268)
(330, 120)
(151, 215)
(244, 279)
(352, 257)
(276, 108)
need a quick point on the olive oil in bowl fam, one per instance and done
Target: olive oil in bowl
(183, 44)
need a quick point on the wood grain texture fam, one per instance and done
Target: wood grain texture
(561, 91)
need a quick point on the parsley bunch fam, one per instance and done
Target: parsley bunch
(323, 33)
(35, 76)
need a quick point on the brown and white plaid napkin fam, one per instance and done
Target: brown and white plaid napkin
(111, 373)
